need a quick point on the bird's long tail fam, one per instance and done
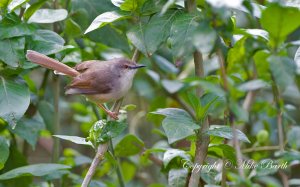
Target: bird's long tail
(50, 63)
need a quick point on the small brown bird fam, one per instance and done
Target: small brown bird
(99, 81)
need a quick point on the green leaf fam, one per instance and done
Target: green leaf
(172, 86)
(165, 64)
(292, 137)
(171, 154)
(283, 70)
(187, 35)
(105, 18)
(74, 139)
(280, 21)
(128, 5)
(14, 100)
(72, 29)
(4, 3)
(178, 124)
(239, 112)
(33, 170)
(148, 37)
(33, 8)
(12, 51)
(226, 132)
(46, 42)
(128, 146)
(253, 85)
(14, 29)
(128, 170)
(48, 16)
(297, 60)
(29, 130)
(46, 110)
(14, 4)
(177, 177)
(223, 151)
(111, 130)
(4, 151)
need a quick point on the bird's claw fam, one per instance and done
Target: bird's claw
(113, 115)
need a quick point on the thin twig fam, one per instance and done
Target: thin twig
(236, 143)
(284, 178)
(184, 105)
(56, 125)
(102, 148)
(264, 148)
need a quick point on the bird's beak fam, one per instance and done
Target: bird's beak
(137, 66)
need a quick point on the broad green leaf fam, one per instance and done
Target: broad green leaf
(14, 29)
(239, 112)
(171, 154)
(4, 3)
(92, 8)
(297, 60)
(225, 3)
(264, 167)
(165, 65)
(128, 170)
(12, 51)
(29, 129)
(280, 21)
(103, 19)
(152, 6)
(4, 151)
(177, 177)
(116, 39)
(292, 137)
(46, 42)
(283, 70)
(128, 146)
(178, 124)
(33, 170)
(46, 110)
(256, 33)
(14, 100)
(16, 159)
(223, 151)
(187, 34)
(72, 29)
(226, 132)
(172, 86)
(111, 130)
(253, 85)
(14, 4)
(148, 37)
(128, 5)
(48, 16)
(33, 8)
(74, 139)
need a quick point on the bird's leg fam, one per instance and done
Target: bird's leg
(113, 115)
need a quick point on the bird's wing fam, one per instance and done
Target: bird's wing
(95, 78)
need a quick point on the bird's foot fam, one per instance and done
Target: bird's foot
(113, 115)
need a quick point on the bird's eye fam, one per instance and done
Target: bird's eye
(126, 66)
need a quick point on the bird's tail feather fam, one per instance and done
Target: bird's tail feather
(50, 63)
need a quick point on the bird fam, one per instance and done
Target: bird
(100, 81)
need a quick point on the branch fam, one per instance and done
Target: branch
(264, 148)
(102, 148)
(236, 143)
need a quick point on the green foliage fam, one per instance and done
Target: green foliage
(248, 75)
(33, 170)
(177, 119)
(128, 146)
(13, 94)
